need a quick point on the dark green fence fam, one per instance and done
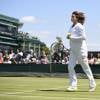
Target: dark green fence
(45, 68)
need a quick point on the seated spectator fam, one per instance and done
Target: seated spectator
(43, 58)
(98, 59)
(18, 56)
(91, 59)
(1, 58)
(34, 59)
(19, 52)
(65, 59)
(56, 58)
(95, 60)
(7, 60)
(28, 58)
(11, 54)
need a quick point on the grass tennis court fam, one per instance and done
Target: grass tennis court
(34, 88)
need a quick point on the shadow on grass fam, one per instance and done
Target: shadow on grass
(54, 90)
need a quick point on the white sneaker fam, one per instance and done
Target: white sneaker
(92, 89)
(72, 88)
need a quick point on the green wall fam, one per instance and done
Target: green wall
(45, 68)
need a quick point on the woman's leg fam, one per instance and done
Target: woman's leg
(71, 70)
(84, 63)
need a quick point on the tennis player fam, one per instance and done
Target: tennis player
(78, 51)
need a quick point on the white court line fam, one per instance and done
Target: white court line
(53, 97)
(31, 91)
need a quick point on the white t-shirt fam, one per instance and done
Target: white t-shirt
(78, 38)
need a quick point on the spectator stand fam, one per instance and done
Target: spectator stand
(58, 54)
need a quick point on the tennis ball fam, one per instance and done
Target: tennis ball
(68, 35)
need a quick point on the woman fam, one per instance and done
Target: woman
(78, 51)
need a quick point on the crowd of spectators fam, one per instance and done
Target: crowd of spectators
(29, 57)
(22, 57)
(93, 58)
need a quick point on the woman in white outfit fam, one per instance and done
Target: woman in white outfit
(78, 51)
